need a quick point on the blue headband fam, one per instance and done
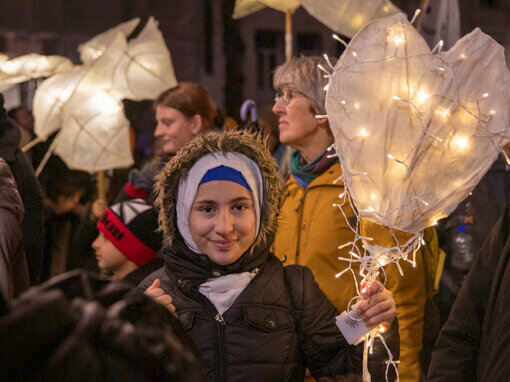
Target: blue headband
(225, 173)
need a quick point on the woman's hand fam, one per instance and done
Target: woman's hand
(378, 306)
(159, 295)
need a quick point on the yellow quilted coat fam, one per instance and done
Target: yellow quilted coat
(309, 232)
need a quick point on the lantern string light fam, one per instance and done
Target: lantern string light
(371, 257)
(337, 38)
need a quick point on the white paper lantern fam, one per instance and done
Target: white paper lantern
(50, 98)
(348, 16)
(95, 47)
(85, 102)
(93, 141)
(24, 68)
(246, 7)
(415, 130)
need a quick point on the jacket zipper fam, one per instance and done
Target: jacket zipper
(220, 335)
(220, 347)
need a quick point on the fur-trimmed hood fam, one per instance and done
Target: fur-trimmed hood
(251, 145)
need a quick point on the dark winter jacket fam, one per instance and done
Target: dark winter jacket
(281, 323)
(12, 253)
(474, 342)
(30, 191)
(81, 327)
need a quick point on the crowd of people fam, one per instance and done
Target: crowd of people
(238, 239)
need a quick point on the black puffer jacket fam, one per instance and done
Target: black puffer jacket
(281, 323)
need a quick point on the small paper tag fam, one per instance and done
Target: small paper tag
(351, 325)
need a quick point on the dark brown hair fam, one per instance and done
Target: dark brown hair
(190, 99)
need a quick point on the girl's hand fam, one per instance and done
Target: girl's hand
(159, 295)
(378, 306)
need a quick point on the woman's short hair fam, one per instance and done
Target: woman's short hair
(302, 75)
(190, 99)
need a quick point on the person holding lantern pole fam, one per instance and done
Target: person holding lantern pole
(310, 228)
(218, 199)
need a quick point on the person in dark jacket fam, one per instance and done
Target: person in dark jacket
(14, 274)
(474, 344)
(29, 190)
(127, 244)
(251, 318)
(81, 327)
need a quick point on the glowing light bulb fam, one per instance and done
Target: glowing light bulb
(462, 56)
(485, 95)
(445, 113)
(342, 102)
(391, 156)
(492, 112)
(354, 54)
(373, 196)
(363, 132)
(460, 142)
(422, 96)
(396, 98)
(398, 40)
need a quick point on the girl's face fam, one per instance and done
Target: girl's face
(222, 220)
(174, 129)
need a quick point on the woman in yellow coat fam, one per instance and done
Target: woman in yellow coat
(310, 228)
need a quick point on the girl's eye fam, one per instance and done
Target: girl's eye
(240, 207)
(207, 210)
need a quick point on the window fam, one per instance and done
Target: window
(269, 47)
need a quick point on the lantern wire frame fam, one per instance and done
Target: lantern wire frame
(371, 257)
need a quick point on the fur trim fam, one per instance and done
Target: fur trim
(249, 144)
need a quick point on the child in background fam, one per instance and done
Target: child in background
(127, 244)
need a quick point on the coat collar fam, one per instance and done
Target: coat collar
(185, 264)
(325, 179)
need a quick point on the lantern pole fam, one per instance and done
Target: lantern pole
(288, 36)
(101, 186)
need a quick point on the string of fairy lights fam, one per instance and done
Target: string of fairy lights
(423, 106)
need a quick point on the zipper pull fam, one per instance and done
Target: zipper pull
(254, 273)
(220, 319)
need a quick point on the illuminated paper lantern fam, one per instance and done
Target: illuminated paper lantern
(348, 16)
(95, 47)
(93, 141)
(244, 8)
(146, 68)
(85, 102)
(50, 98)
(24, 68)
(415, 130)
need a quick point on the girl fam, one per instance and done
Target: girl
(251, 318)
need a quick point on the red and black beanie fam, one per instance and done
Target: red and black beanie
(131, 227)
